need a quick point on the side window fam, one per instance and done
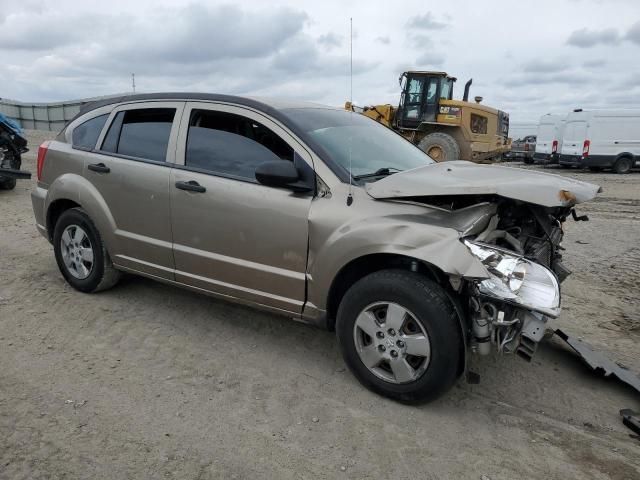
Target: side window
(231, 144)
(415, 90)
(478, 124)
(86, 134)
(142, 133)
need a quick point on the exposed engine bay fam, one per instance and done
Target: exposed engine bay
(534, 234)
(520, 245)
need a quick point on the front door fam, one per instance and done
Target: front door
(231, 235)
(131, 169)
(420, 101)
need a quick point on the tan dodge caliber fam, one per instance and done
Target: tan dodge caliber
(316, 213)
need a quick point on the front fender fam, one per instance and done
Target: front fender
(76, 188)
(393, 234)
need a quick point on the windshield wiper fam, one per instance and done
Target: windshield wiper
(381, 172)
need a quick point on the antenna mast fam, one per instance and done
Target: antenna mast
(350, 196)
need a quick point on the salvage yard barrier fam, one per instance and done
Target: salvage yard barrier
(45, 116)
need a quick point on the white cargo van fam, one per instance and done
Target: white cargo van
(549, 143)
(602, 139)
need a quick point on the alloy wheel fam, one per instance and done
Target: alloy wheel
(391, 342)
(77, 252)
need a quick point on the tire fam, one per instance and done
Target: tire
(623, 165)
(8, 160)
(75, 229)
(440, 146)
(528, 160)
(428, 311)
(7, 183)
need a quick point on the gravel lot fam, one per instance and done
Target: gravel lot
(150, 381)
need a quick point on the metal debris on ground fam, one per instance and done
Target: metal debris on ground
(631, 419)
(598, 362)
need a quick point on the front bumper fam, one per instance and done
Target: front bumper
(12, 173)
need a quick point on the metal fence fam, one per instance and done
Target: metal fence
(44, 116)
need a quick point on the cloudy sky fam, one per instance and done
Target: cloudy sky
(527, 58)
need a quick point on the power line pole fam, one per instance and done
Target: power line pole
(133, 82)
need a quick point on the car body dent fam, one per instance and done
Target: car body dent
(467, 178)
(340, 234)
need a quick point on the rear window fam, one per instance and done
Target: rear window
(142, 133)
(86, 134)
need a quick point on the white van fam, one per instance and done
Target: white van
(602, 139)
(549, 143)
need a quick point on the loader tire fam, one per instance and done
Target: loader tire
(440, 146)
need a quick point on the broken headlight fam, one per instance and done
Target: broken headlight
(517, 280)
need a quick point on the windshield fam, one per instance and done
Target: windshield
(446, 88)
(371, 146)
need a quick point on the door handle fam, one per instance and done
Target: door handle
(99, 167)
(191, 186)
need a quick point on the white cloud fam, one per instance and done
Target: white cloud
(68, 49)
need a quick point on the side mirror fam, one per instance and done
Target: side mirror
(280, 173)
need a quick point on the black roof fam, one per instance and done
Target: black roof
(255, 102)
(273, 107)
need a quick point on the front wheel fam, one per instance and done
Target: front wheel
(399, 335)
(7, 183)
(440, 146)
(8, 160)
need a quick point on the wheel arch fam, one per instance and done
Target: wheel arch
(628, 155)
(57, 208)
(74, 191)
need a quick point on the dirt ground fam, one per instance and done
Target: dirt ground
(150, 381)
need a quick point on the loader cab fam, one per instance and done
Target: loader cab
(420, 98)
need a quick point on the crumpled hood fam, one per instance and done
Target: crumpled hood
(467, 178)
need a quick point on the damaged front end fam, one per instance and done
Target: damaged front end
(511, 221)
(521, 250)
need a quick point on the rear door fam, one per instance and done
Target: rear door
(546, 133)
(131, 171)
(574, 137)
(232, 235)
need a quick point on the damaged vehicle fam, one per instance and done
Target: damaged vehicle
(316, 213)
(13, 144)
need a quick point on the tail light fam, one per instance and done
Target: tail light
(526, 147)
(42, 153)
(554, 146)
(585, 148)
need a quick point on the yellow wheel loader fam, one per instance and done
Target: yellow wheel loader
(444, 128)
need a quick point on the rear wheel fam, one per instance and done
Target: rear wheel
(399, 335)
(623, 165)
(440, 146)
(8, 160)
(7, 183)
(80, 253)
